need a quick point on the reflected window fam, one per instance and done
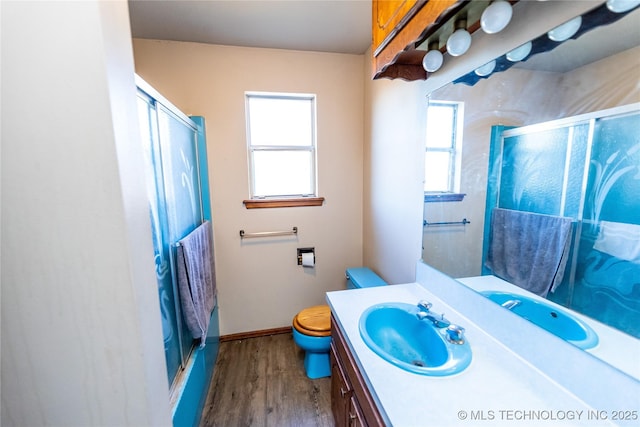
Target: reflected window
(281, 139)
(442, 159)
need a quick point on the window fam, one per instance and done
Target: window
(443, 148)
(281, 139)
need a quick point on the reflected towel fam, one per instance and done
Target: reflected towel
(619, 240)
(529, 250)
(196, 280)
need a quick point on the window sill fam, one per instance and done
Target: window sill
(283, 203)
(443, 197)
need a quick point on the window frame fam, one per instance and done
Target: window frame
(454, 151)
(280, 147)
(284, 200)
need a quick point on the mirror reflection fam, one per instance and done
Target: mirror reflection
(585, 167)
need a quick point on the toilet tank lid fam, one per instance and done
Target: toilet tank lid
(364, 277)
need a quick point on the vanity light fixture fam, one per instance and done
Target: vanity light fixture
(565, 31)
(486, 69)
(432, 61)
(519, 53)
(621, 6)
(496, 16)
(458, 42)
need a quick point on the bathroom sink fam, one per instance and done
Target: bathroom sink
(547, 316)
(395, 333)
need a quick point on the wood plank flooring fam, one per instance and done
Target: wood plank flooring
(261, 382)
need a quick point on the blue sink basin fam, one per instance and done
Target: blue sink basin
(554, 320)
(394, 332)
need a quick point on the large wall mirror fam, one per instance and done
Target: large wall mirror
(598, 71)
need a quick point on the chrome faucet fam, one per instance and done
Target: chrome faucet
(511, 304)
(455, 334)
(425, 313)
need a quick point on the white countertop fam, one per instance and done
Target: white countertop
(614, 347)
(498, 388)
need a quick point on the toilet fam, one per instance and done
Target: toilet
(312, 325)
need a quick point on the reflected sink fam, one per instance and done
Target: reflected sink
(394, 332)
(554, 320)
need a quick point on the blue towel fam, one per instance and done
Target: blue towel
(197, 280)
(529, 250)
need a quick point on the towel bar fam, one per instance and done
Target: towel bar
(293, 231)
(463, 222)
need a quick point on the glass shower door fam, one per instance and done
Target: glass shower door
(183, 199)
(147, 115)
(175, 204)
(586, 168)
(607, 284)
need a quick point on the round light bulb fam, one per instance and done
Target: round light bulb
(620, 6)
(486, 69)
(432, 61)
(565, 31)
(496, 17)
(458, 42)
(519, 53)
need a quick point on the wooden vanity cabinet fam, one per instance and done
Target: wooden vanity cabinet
(351, 402)
(341, 392)
(356, 417)
(398, 27)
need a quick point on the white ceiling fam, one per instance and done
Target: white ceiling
(592, 46)
(340, 26)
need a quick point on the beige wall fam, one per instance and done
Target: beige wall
(603, 84)
(81, 331)
(394, 142)
(542, 96)
(457, 250)
(371, 138)
(260, 284)
(395, 129)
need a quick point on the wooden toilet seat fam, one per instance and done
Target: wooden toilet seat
(314, 321)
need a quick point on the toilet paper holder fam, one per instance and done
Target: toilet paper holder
(306, 251)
